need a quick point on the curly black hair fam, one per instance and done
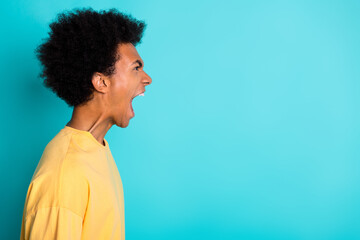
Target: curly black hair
(80, 43)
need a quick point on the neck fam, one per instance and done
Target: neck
(88, 118)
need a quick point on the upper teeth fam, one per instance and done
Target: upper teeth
(141, 94)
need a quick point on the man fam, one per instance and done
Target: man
(90, 61)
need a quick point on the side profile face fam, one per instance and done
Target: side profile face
(128, 81)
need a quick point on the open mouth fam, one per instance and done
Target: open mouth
(140, 94)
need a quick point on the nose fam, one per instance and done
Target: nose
(147, 79)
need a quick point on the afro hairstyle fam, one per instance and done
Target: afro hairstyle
(80, 43)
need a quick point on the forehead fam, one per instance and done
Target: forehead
(128, 54)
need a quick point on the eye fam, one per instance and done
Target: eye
(137, 68)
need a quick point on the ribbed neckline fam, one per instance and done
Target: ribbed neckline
(90, 136)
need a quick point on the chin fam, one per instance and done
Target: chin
(122, 121)
(122, 124)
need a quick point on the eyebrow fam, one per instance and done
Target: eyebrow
(137, 61)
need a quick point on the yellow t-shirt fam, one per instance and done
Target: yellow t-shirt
(75, 192)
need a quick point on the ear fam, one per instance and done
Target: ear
(100, 82)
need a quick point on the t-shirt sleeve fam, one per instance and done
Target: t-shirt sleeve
(53, 223)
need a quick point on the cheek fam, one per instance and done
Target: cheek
(121, 92)
(120, 99)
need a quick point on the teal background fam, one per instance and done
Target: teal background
(249, 130)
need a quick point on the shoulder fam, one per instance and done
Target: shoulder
(60, 179)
